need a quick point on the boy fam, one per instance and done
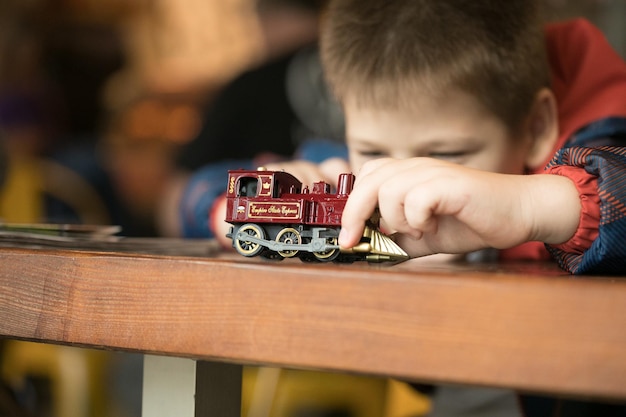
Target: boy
(448, 103)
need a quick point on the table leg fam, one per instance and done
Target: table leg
(178, 387)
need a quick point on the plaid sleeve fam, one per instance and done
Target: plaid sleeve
(607, 252)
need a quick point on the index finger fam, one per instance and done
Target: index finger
(361, 203)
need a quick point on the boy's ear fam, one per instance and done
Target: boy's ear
(543, 128)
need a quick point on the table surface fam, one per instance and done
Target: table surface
(524, 326)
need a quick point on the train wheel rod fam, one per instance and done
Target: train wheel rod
(316, 245)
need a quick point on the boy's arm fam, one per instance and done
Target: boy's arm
(449, 208)
(202, 191)
(578, 208)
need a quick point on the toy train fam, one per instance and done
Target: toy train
(274, 216)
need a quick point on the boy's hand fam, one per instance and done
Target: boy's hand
(449, 208)
(309, 172)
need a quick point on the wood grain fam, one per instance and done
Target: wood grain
(526, 327)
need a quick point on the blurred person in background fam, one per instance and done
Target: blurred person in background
(138, 146)
(280, 109)
(278, 105)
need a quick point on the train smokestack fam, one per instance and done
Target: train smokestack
(345, 184)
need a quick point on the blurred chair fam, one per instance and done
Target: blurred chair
(74, 376)
(30, 180)
(275, 392)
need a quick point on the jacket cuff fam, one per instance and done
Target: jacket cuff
(587, 186)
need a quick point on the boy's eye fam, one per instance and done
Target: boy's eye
(372, 154)
(449, 156)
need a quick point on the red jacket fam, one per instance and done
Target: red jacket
(589, 82)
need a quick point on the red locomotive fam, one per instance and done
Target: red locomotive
(272, 215)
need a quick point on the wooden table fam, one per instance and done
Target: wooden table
(524, 326)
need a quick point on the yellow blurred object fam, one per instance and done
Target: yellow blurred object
(404, 401)
(20, 196)
(75, 375)
(274, 392)
(29, 179)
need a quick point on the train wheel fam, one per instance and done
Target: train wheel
(289, 236)
(328, 255)
(245, 247)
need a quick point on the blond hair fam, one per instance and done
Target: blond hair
(381, 52)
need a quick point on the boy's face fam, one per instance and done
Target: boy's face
(457, 129)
